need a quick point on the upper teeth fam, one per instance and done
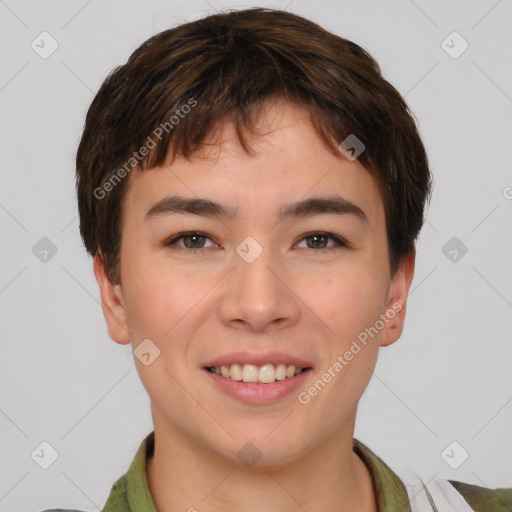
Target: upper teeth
(252, 373)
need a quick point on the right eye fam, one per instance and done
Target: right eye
(193, 241)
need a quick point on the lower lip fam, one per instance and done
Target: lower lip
(254, 393)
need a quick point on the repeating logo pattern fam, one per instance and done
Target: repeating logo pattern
(46, 64)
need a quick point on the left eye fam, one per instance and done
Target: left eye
(318, 240)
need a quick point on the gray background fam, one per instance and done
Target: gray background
(65, 382)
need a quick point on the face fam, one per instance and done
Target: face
(269, 277)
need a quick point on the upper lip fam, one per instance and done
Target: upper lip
(258, 359)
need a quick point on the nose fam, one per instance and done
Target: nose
(259, 295)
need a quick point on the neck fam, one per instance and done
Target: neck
(184, 475)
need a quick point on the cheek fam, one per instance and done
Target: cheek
(347, 304)
(150, 293)
(162, 296)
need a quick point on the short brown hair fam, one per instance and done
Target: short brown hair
(220, 69)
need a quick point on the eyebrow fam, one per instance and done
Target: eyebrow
(336, 205)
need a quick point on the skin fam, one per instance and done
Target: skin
(196, 306)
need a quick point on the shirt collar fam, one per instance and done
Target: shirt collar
(389, 490)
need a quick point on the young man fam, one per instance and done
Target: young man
(251, 189)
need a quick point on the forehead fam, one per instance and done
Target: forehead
(290, 162)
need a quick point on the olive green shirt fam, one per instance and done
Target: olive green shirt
(130, 493)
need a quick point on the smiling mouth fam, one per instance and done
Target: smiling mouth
(265, 374)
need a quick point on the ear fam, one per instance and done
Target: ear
(397, 300)
(112, 303)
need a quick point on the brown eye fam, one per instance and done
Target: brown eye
(191, 241)
(319, 240)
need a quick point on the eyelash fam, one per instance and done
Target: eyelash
(339, 242)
